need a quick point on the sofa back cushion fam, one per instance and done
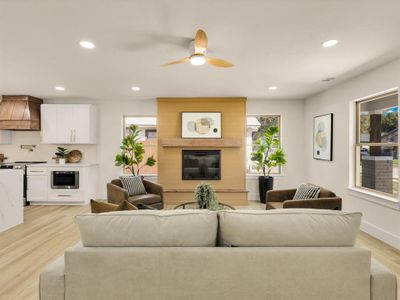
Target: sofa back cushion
(288, 228)
(149, 228)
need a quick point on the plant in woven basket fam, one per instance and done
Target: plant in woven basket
(205, 197)
(132, 152)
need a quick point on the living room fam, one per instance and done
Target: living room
(204, 89)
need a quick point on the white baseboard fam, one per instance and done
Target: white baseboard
(383, 235)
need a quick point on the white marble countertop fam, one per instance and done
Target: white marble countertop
(12, 198)
(67, 165)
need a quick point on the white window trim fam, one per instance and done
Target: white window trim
(365, 194)
(257, 174)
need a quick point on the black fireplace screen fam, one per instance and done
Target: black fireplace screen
(201, 164)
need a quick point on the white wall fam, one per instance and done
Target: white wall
(381, 221)
(292, 118)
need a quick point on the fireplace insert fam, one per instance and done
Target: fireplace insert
(201, 164)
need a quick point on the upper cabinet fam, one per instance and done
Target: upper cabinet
(68, 123)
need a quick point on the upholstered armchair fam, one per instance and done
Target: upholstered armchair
(154, 197)
(283, 199)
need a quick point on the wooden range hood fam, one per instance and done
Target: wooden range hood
(20, 112)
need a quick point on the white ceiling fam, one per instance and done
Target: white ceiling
(270, 43)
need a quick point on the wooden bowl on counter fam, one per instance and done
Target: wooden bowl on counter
(74, 156)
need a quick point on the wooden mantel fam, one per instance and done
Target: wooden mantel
(208, 143)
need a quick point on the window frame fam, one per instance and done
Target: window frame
(357, 144)
(280, 172)
(124, 117)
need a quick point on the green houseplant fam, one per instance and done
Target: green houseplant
(62, 155)
(205, 198)
(267, 154)
(131, 156)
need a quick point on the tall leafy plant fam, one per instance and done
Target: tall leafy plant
(268, 153)
(131, 156)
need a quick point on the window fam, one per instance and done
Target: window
(376, 146)
(255, 128)
(148, 127)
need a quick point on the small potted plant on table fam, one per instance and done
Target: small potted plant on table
(267, 155)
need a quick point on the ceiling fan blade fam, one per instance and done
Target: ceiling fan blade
(183, 60)
(200, 41)
(216, 62)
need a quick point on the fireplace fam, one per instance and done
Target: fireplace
(201, 164)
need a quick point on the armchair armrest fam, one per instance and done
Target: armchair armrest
(318, 203)
(280, 195)
(116, 194)
(383, 282)
(153, 188)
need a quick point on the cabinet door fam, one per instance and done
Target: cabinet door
(49, 123)
(36, 188)
(81, 126)
(65, 121)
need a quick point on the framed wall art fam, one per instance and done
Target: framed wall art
(203, 125)
(323, 137)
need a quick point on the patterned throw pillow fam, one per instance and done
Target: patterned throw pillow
(133, 184)
(306, 191)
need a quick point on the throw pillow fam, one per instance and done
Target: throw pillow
(133, 184)
(306, 191)
(101, 207)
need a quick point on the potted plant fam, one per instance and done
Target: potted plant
(204, 197)
(131, 157)
(62, 154)
(267, 155)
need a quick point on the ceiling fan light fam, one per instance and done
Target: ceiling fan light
(197, 59)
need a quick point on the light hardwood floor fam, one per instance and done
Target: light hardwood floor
(48, 230)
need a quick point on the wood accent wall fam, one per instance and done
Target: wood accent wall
(232, 185)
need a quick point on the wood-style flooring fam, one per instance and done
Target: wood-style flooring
(48, 230)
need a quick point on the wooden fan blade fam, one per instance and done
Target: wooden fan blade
(200, 41)
(183, 60)
(216, 62)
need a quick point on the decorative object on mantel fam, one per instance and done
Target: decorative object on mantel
(2, 157)
(322, 137)
(206, 125)
(131, 156)
(74, 156)
(268, 154)
(62, 154)
(28, 147)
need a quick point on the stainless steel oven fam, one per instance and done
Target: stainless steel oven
(65, 180)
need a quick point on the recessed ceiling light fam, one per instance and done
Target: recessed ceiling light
(60, 88)
(86, 44)
(330, 43)
(273, 88)
(135, 88)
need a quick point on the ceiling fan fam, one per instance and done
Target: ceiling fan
(198, 57)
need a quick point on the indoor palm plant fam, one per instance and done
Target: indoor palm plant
(267, 155)
(131, 156)
(62, 155)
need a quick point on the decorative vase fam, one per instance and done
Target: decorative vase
(61, 161)
(265, 184)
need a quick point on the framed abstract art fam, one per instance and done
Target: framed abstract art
(203, 125)
(323, 137)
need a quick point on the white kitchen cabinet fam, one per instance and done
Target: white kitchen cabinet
(68, 124)
(36, 188)
(5, 137)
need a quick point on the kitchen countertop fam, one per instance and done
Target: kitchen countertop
(67, 165)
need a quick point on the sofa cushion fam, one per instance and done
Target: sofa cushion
(306, 191)
(144, 199)
(149, 228)
(133, 184)
(288, 228)
(101, 206)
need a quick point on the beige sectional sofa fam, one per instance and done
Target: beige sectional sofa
(199, 254)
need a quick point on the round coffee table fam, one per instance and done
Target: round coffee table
(192, 205)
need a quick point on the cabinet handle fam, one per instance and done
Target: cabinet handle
(70, 135)
(64, 195)
(74, 135)
(35, 171)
